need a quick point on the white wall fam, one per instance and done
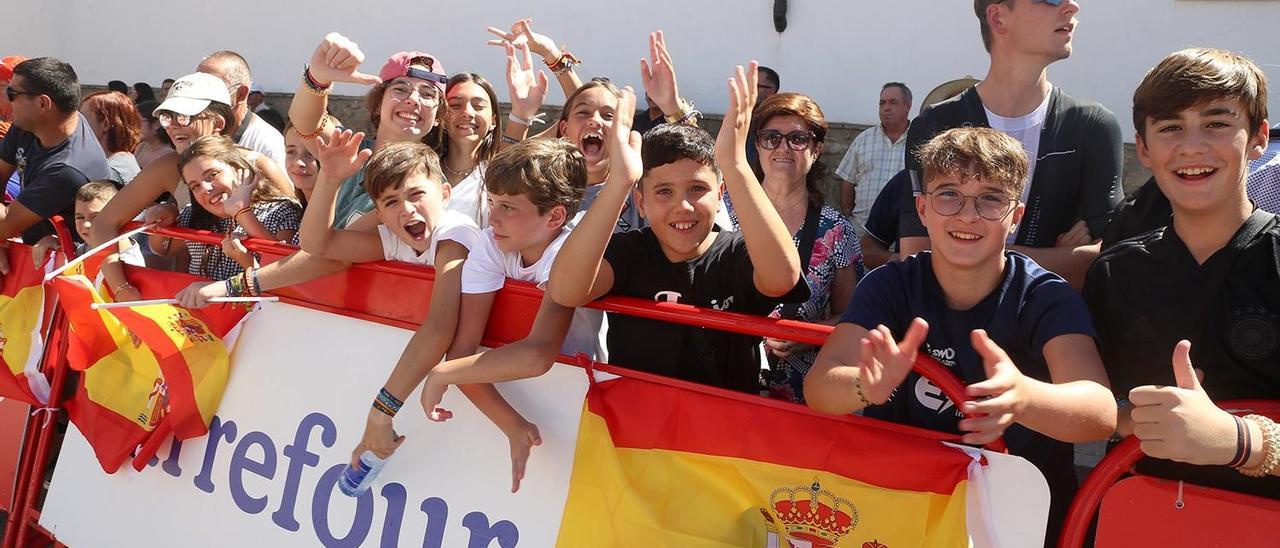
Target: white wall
(839, 51)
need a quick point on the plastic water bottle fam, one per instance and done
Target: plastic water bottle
(355, 481)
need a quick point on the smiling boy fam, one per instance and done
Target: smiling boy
(681, 256)
(1017, 334)
(1205, 290)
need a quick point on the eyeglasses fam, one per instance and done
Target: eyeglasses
(991, 206)
(181, 120)
(427, 94)
(769, 139)
(12, 94)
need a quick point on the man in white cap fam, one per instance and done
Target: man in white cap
(251, 131)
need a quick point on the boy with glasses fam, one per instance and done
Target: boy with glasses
(1074, 146)
(1017, 332)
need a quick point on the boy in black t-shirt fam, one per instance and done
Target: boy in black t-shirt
(682, 256)
(1015, 332)
(1204, 290)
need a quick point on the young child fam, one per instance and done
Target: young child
(230, 198)
(1018, 334)
(1202, 290)
(410, 200)
(90, 200)
(681, 255)
(534, 187)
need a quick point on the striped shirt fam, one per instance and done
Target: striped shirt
(1264, 180)
(871, 161)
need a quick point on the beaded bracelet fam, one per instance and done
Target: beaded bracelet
(382, 407)
(862, 397)
(387, 403)
(312, 85)
(319, 128)
(1270, 447)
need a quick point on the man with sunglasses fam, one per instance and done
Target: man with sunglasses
(50, 146)
(1074, 146)
(1015, 333)
(251, 131)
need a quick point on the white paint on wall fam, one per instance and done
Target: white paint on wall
(839, 51)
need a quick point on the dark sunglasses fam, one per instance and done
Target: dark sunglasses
(769, 139)
(13, 94)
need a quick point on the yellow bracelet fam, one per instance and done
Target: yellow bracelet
(1270, 447)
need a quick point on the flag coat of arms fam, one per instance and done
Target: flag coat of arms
(147, 371)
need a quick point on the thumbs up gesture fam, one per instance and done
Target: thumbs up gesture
(1004, 393)
(337, 59)
(1180, 422)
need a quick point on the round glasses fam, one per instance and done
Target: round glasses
(769, 139)
(181, 120)
(427, 94)
(991, 206)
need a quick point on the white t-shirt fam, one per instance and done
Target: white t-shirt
(1026, 129)
(262, 137)
(454, 226)
(468, 197)
(487, 267)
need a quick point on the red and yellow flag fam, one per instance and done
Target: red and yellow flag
(663, 466)
(22, 313)
(133, 394)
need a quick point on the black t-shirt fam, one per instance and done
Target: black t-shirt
(1030, 307)
(722, 279)
(882, 220)
(1148, 293)
(1078, 166)
(1148, 210)
(50, 177)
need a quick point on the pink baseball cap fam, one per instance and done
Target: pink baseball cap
(399, 65)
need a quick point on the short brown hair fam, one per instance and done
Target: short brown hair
(550, 172)
(1195, 75)
(97, 190)
(117, 113)
(975, 153)
(389, 167)
(980, 9)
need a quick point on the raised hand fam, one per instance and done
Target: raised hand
(378, 437)
(527, 87)
(625, 165)
(883, 364)
(1003, 390)
(242, 196)
(522, 34)
(731, 143)
(337, 59)
(658, 74)
(522, 441)
(341, 157)
(1180, 422)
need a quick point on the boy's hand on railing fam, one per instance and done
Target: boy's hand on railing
(1005, 398)
(1180, 422)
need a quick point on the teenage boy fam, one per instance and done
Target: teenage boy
(1203, 290)
(1015, 332)
(682, 256)
(410, 202)
(1074, 146)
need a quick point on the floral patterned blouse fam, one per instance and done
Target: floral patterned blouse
(835, 246)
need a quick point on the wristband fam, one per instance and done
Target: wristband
(564, 63)
(257, 289)
(1242, 443)
(310, 83)
(387, 403)
(1270, 447)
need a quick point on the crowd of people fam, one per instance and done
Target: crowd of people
(990, 232)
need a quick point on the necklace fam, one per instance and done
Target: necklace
(457, 175)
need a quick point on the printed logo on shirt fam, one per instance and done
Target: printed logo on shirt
(947, 356)
(667, 296)
(722, 305)
(21, 158)
(1253, 333)
(930, 396)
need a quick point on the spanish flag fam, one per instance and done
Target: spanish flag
(132, 394)
(22, 312)
(658, 465)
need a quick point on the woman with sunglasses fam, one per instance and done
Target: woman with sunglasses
(198, 105)
(790, 129)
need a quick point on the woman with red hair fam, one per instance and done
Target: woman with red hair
(114, 121)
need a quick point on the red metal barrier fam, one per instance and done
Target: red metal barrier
(1118, 462)
(375, 292)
